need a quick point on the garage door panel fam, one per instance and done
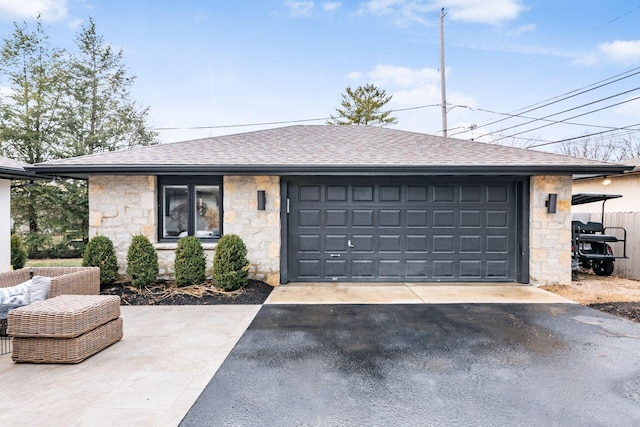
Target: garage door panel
(336, 217)
(310, 243)
(362, 268)
(389, 243)
(336, 242)
(498, 269)
(390, 193)
(443, 244)
(470, 244)
(444, 218)
(470, 218)
(443, 269)
(417, 193)
(443, 193)
(417, 269)
(390, 218)
(337, 193)
(363, 243)
(362, 218)
(497, 244)
(363, 193)
(310, 193)
(377, 231)
(498, 219)
(470, 269)
(310, 218)
(309, 268)
(417, 218)
(471, 194)
(417, 243)
(390, 269)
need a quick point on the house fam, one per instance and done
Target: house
(343, 203)
(9, 169)
(621, 212)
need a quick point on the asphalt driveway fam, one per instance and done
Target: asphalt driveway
(415, 365)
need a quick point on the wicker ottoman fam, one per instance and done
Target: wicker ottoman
(64, 329)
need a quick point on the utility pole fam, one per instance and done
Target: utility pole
(444, 90)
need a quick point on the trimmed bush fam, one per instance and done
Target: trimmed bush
(18, 252)
(230, 263)
(142, 262)
(101, 253)
(190, 263)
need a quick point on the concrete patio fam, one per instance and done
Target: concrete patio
(170, 353)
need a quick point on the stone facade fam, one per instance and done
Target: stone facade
(123, 206)
(260, 230)
(550, 233)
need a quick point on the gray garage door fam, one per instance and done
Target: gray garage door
(391, 230)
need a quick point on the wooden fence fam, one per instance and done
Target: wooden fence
(629, 267)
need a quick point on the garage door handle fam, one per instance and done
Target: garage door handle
(334, 255)
(349, 243)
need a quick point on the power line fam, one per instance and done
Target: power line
(578, 115)
(585, 136)
(563, 97)
(278, 122)
(566, 111)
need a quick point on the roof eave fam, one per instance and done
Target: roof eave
(83, 171)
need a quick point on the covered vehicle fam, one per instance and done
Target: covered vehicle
(592, 243)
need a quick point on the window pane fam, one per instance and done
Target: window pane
(175, 203)
(207, 211)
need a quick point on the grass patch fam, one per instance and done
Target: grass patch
(54, 262)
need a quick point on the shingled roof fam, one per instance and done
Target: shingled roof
(326, 149)
(13, 169)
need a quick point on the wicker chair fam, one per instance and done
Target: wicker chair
(64, 280)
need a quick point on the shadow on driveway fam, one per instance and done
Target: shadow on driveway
(457, 364)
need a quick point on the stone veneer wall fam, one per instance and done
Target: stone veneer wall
(260, 230)
(550, 233)
(122, 206)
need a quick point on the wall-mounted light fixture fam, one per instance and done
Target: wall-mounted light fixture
(606, 180)
(551, 203)
(262, 200)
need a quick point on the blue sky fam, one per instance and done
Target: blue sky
(221, 63)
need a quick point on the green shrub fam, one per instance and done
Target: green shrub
(230, 264)
(190, 263)
(18, 252)
(101, 253)
(142, 261)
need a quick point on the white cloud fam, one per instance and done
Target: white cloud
(484, 11)
(331, 6)
(403, 76)
(621, 51)
(354, 75)
(299, 8)
(631, 108)
(522, 29)
(50, 10)
(406, 12)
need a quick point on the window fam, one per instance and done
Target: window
(190, 207)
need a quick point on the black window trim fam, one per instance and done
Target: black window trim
(190, 182)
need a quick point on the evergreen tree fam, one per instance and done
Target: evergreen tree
(100, 114)
(362, 106)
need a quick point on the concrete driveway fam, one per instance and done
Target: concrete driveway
(425, 364)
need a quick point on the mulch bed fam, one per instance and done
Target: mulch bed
(628, 310)
(167, 293)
